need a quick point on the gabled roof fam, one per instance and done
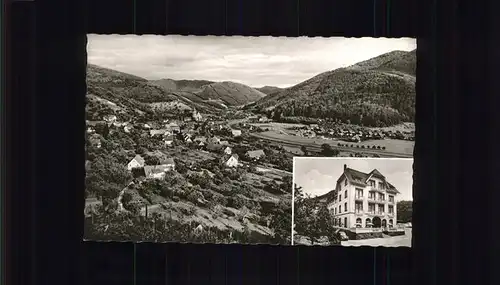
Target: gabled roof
(200, 139)
(360, 178)
(256, 153)
(139, 159)
(375, 173)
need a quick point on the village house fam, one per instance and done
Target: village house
(232, 161)
(215, 140)
(95, 140)
(200, 139)
(136, 162)
(127, 128)
(173, 127)
(228, 150)
(196, 116)
(155, 171)
(255, 154)
(161, 132)
(363, 200)
(110, 119)
(168, 140)
(188, 138)
(236, 133)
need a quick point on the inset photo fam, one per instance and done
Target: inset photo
(352, 201)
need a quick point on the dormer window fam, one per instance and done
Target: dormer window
(345, 183)
(372, 183)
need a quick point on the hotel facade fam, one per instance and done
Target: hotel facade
(363, 200)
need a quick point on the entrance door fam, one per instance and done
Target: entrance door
(376, 222)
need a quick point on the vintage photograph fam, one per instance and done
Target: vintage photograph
(192, 138)
(353, 201)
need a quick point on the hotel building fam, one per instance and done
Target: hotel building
(363, 200)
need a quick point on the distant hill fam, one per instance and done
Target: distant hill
(111, 91)
(230, 93)
(182, 85)
(376, 92)
(269, 89)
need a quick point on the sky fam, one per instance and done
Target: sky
(254, 61)
(317, 176)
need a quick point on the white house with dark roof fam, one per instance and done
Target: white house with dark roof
(363, 200)
(168, 140)
(255, 154)
(236, 133)
(136, 162)
(232, 161)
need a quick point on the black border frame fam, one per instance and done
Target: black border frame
(42, 149)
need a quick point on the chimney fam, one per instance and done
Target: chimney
(345, 167)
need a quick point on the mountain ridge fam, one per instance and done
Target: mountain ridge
(376, 92)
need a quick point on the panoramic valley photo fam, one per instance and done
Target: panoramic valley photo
(353, 201)
(193, 138)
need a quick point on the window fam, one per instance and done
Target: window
(345, 207)
(391, 198)
(372, 183)
(358, 223)
(371, 208)
(381, 209)
(340, 209)
(372, 195)
(391, 209)
(345, 194)
(340, 198)
(335, 211)
(381, 185)
(345, 182)
(359, 207)
(368, 223)
(345, 222)
(359, 193)
(381, 197)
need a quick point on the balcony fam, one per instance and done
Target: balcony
(372, 199)
(380, 201)
(359, 198)
(376, 189)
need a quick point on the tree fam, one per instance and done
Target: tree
(304, 149)
(102, 129)
(326, 150)
(151, 160)
(107, 178)
(404, 211)
(305, 215)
